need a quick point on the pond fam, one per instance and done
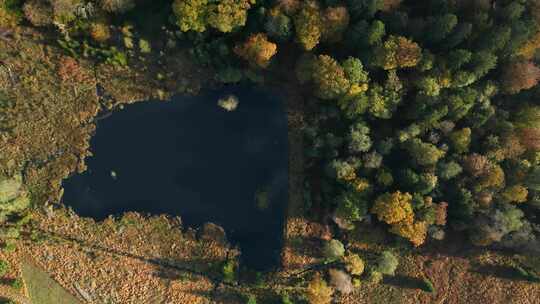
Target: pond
(192, 158)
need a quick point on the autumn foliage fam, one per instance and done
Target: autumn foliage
(257, 50)
(398, 52)
(520, 75)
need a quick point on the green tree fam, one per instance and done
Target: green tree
(278, 25)
(375, 33)
(387, 263)
(341, 170)
(429, 86)
(354, 70)
(424, 154)
(457, 58)
(351, 206)
(461, 139)
(440, 27)
(482, 63)
(359, 140)
(448, 170)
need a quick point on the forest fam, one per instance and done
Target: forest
(422, 117)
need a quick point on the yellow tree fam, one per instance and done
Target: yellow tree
(197, 15)
(257, 50)
(308, 24)
(528, 49)
(191, 14)
(515, 194)
(393, 207)
(415, 232)
(318, 291)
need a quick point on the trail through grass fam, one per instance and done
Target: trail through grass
(42, 289)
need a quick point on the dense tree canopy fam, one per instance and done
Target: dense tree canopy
(223, 15)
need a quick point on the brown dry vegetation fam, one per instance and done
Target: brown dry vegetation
(129, 260)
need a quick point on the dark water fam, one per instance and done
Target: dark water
(189, 157)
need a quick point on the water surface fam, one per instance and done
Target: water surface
(191, 158)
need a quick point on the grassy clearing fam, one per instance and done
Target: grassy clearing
(42, 289)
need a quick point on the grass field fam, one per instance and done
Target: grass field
(42, 289)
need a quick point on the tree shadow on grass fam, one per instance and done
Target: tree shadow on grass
(499, 271)
(402, 281)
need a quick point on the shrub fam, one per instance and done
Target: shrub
(100, 32)
(38, 12)
(285, 299)
(387, 263)
(375, 277)
(333, 250)
(251, 299)
(4, 268)
(229, 271)
(427, 286)
(10, 13)
(17, 284)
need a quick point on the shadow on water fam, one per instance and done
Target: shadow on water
(191, 158)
